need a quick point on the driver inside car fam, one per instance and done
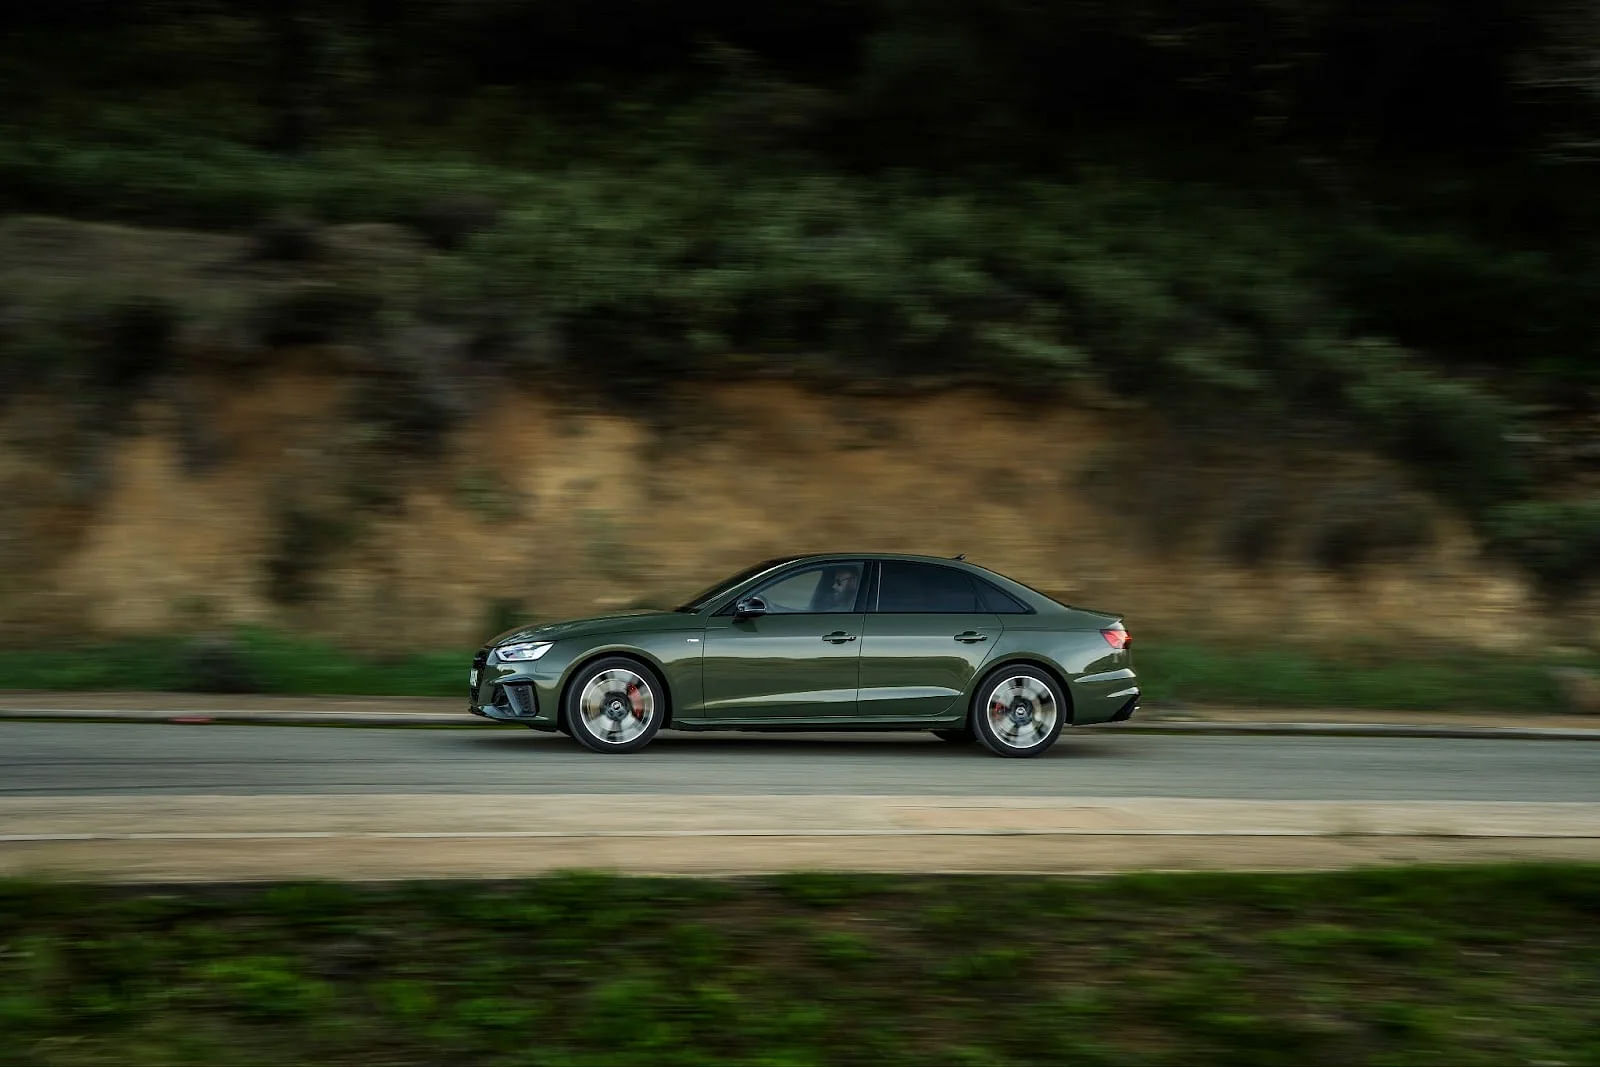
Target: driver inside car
(837, 590)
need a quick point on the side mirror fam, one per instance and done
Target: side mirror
(749, 608)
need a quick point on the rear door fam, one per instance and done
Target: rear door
(927, 634)
(800, 661)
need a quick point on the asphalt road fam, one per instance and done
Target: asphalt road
(46, 759)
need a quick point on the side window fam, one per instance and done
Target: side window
(998, 600)
(815, 590)
(926, 588)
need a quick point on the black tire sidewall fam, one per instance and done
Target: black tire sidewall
(980, 722)
(569, 705)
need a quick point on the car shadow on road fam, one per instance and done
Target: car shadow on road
(759, 745)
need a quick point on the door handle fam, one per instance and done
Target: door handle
(838, 637)
(971, 637)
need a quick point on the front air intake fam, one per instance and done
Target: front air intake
(521, 699)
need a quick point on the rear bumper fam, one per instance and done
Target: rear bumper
(1109, 696)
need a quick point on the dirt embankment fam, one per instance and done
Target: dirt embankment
(543, 507)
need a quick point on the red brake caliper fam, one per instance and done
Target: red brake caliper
(636, 700)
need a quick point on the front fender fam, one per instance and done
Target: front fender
(675, 656)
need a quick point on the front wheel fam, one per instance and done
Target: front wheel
(615, 705)
(1018, 711)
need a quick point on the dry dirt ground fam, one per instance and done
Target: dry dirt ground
(179, 839)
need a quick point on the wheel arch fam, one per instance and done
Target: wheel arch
(625, 652)
(1024, 660)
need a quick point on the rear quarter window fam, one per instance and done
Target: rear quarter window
(999, 601)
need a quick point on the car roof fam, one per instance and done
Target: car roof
(823, 556)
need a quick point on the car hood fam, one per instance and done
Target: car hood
(620, 622)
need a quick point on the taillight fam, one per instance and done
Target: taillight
(1117, 637)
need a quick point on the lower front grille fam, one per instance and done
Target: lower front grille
(520, 698)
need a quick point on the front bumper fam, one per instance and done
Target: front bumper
(508, 692)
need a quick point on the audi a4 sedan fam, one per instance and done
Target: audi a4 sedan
(827, 642)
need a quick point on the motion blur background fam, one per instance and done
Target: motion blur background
(337, 336)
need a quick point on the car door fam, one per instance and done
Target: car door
(927, 634)
(797, 662)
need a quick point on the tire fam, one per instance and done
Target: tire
(1018, 711)
(960, 736)
(614, 705)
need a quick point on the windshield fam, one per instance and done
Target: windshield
(715, 592)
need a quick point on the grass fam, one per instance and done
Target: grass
(1354, 676)
(266, 661)
(1460, 966)
(254, 660)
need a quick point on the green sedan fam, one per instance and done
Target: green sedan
(831, 642)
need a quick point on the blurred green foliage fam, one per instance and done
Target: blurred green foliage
(1259, 214)
(1468, 965)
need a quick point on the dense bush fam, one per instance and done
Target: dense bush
(303, 541)
(1557, 541)
(313, 311)
(1367, 525)
(286, 237)
(217, 663)
(1459, 435)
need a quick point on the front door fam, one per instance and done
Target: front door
(799, 662)
(926, 639)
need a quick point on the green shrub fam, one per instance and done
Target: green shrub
(1254, 532)
(1556, 541)
(843, 949)
(269, 987)
(287, 238)
(448, 221)
(314, 311)
(1366, 525)
(217, 664)
(304, 540)
(1458, 435)
(413, 399)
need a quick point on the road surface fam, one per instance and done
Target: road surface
(40, 759)
(177, 802)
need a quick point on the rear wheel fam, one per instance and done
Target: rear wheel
(615, 704)
(1018, 711)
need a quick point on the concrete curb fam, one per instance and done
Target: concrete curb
(234, 716)
(1359, 729)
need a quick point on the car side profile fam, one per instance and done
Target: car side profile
(823, 642)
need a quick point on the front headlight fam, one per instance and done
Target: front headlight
(527, 651)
